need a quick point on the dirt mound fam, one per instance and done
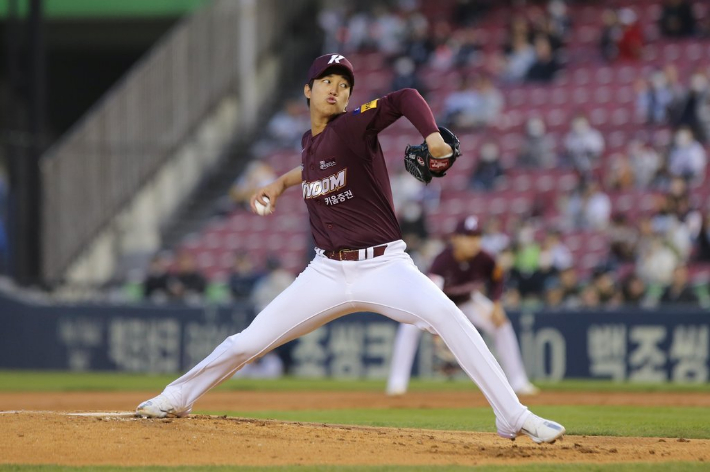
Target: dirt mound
(58, 438)
(55, 436)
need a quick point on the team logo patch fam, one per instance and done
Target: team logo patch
(365, 107)
(436, 164)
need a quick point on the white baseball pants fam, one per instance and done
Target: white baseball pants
(391, 285)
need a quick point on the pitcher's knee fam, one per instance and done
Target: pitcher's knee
(242, 349)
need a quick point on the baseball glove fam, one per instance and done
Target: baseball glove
(423, 166)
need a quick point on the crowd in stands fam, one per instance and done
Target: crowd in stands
(648, 254)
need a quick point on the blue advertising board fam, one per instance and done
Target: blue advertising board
(624, 344)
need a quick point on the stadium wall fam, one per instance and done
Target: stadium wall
(623, 345)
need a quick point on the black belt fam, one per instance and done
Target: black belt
(354, 254)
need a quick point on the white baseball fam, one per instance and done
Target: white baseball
(263, 209)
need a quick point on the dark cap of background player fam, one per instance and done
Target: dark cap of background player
(334, 61)
(469, 226)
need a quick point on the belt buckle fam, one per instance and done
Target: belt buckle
(340, 253)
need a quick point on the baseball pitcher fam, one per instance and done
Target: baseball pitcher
(360, 262)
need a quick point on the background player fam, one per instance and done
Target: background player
(460, 270)
(360, 262)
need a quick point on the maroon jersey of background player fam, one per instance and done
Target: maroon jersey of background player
(463, 277)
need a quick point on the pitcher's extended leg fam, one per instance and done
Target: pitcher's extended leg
(290, 315)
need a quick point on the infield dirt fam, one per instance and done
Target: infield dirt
(53, 436)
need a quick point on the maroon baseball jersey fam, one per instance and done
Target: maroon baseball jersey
(344, 177)
(462, 278)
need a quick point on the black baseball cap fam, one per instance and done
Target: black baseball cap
(469, 226)
(332, 61)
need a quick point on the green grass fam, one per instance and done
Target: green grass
(635, 467)
(52, 381)
(687, 422)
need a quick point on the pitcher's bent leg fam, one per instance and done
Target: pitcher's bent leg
(408, 296)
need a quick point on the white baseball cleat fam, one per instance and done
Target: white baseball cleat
(541, 430)
(527, 389)
(159, 407)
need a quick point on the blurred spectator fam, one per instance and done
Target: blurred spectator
(677, 19)
(468, 12)
(610, 35)
(656, 262)
(623, 238)
(555, 253)
(589, 297)
(155, 284)
(633, 290)
(620, 175)
(412, 220)
(526, 275)
(538, 149)
(589, 207)
(545, 65)
(287, 126)
(243, 277)
(418, 45)
(186, 282)
(570, 288)
(468, 47)
(671, 225)
(489, 169)
(693, 108)
(519, 60)
(645, 162)
(275, 280)
(387, 30)
(405, 76)
(559, 21)
(256, 175)
(475, 104)
(605, 285)
(703, 240)
(355, 36)
(631, 42)
(443, 55)
(679, 290)
(494, 240)
(583, 145)
(652, 102)
(405, 189)
(687, 158)
(518, 27)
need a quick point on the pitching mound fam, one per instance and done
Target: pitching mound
(104, 438)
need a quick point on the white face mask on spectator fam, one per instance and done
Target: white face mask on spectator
(580, 125)
(683, 138)
(489, 152)
(536, 127)
(698, 83)
(658, 80)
